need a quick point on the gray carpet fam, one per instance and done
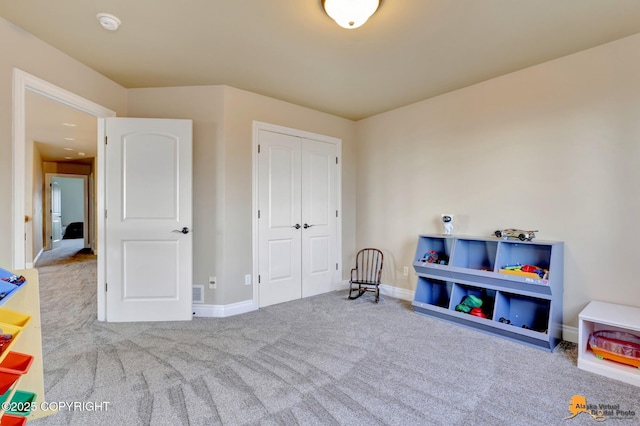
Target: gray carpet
(318, 361)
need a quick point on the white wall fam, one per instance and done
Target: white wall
(222, 169)
(72, 199)
(28, 53)
(555, 147)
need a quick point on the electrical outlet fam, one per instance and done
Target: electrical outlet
(213, 284)
(247, 279)
(405, 271)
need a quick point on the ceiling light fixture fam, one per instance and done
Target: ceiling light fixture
(69, 124)
(69, 139)
(68, 149)
(350, 14)
(108, 21)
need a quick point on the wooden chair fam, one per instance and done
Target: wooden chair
(366, 275)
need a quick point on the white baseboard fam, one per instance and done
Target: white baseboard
(222, 311)
(385, 289)
(570, 334)
(398, 293)
(30, 265)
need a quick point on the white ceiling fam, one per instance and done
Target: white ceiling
(57, 141)
(291, 50)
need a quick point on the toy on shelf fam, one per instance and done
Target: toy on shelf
(529, 271)
(616, 346)
(447, 224)
(433, 256)
(471, 304)
(520, 234)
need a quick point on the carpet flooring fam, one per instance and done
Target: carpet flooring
(323, 360)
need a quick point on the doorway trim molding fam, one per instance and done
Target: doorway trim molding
(257, 126)
(23, 82)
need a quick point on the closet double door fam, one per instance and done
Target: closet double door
(297, 225)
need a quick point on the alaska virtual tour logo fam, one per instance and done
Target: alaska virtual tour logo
(599, 412)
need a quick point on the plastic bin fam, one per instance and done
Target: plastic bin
(6, 288)
(616, 346)
(6, 381)
(11, 420)
(16, 363)
(6, 346)
(21, 402)
(7, 316)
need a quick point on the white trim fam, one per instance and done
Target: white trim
(385, 289)
(396, 292)
(258, 125)
(222, 311)
(23, 82)
(30, 265)
(570, 334)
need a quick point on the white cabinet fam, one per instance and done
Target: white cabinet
(607, 316)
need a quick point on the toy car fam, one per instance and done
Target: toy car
(516, 233)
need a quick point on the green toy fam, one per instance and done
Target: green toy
(469, 302)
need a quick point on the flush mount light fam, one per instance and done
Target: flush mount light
(81, 154)
(68, 149)
(69, 124)
(69, 139)
(108, 21)
(350, 14)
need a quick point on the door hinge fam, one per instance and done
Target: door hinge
(258, 214)
(105, 287)
(336, 213)
(106, 142)
(258, 279)
(336, 266)
(336, 160)
(258, 148)
(105, 214)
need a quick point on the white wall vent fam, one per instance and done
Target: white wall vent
(198, 294)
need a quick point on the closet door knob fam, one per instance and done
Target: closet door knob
(297, 226)
(305, 226)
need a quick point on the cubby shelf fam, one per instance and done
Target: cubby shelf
(524, 308)
(22, 308)
(598, 316)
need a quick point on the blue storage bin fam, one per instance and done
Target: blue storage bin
(6, 287)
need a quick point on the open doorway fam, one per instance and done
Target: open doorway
(25, 179)
(66, 210)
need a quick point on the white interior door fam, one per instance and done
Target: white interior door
(297, 228)
(148, 208)
(280, 228)
(319, 222)
(56, 215)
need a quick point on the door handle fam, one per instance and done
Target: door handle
(297, 226)
(184, 230)
(305, 226)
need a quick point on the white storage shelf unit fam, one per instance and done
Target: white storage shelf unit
(524, 308)
(607, 316)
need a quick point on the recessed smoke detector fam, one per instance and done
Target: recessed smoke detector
(108, 21)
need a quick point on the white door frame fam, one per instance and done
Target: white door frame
(47, 211)
(257, 126)
(23, 82)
